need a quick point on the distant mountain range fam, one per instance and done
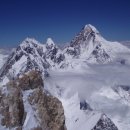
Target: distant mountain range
(87, 48)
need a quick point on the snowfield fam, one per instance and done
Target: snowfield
(94, 85)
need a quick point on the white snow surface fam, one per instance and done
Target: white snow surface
(30, 121)
(93, 84)
(50, 42)
(89, 26)
(3, 58)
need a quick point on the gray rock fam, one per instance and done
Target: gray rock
(50, 110)
(105, 123)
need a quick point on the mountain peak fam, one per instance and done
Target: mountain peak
(50, 42)
(87, 34)
(90, 28)
(29, 42)
(28, 39)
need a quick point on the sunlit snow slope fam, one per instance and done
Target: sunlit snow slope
(95, 86)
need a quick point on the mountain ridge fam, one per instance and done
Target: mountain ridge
(88, 48)
(88, 45)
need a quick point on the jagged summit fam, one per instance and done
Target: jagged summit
(50, 42)
(32, 55)
(29, 39)
(90, 28)
(105, 123)
(87, 34)
(88, 45)
(30, 42)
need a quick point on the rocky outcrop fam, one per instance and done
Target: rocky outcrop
(85, 106)
(12, 107)
(105, 124)
(31, 80)
(49, 110)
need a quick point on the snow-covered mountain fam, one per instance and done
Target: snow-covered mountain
(90, 45)
(53, 54)
(81, 76)
(27, 56)
(32, 55)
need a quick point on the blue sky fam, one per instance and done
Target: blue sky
(62, 19)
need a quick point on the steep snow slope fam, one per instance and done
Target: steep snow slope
(27, 56)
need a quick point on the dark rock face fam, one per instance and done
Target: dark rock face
(83, 40)
(12, 107)
(53, 54)
(86, 34)
(27, 52)
(99, 54)
(31, 80)
(73, 51)
(49, 109)
(36, 57)
(105, 124)
(125, 87)
(59, 58)
(84, 105)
